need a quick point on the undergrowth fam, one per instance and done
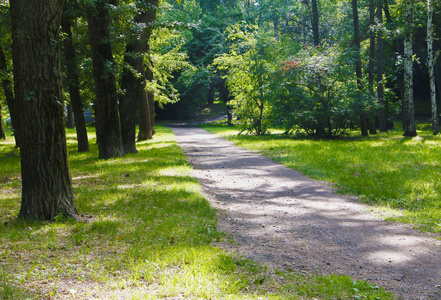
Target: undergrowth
(145, 232)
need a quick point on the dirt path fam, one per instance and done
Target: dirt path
(280, 218)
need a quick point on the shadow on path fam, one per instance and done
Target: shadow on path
(283, 219)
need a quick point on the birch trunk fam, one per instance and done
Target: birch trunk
(380, 88)
(358, 71)
(409, 110)
(430, 65)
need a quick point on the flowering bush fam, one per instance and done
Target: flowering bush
(317, 92)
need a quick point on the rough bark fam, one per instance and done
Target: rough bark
(371, 64)
(46, 182)
(128, 102)
(74, 83)
(10, 100)
(146, 107)
(358, 71)
(409, 110)
(430, 65)
(315, 23)
(108, 126)
(380, 87)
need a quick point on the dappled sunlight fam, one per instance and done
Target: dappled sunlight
(86, 176)
(174, 171)
(389, 257)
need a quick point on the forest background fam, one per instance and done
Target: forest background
(317, 68)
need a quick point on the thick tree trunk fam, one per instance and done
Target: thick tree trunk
(315, 23)
(358, 72)
(10, 100)
(430, 65)
(128, 103)
(380, 86)
(136, 96)
(409, 111)
(108, 126)
(371, 65)
(74, 83)
(46, 182)
(146, 108)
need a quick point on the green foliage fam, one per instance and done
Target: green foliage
(249, 66)
(317, 92)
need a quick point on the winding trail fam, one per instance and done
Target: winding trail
(283, 219)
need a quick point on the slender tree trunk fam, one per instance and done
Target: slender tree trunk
(430, 65)
(358, 71)
(409, 111)
(380, 86)
(2, 132)
(145, 130)
(151, 98)
(315, 23)
(10, 100)
(70, 118)
(74, 83)
(108, 126)
(371, 64)
(46, 182)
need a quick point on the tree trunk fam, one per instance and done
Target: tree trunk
(145, 130)
(2, 132)
(315, 23)
(46, 182)
(151, 99)
(409, 111)
(74, 83)
(146, 112)
(358, 72)
(430, 65)
(108, 126)
(70, 119)
(128, 103)
(380, 87)
(10, 100)
(371, 65)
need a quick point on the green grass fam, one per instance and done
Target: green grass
(399, 174)
(146, 233)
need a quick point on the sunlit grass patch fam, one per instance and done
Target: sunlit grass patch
(145, 232)
(386, 169)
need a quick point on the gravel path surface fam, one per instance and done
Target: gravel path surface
(285, 220)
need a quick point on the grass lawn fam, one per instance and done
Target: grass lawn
(401, 175)
(146, 233)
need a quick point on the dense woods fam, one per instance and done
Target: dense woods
(314, 67)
